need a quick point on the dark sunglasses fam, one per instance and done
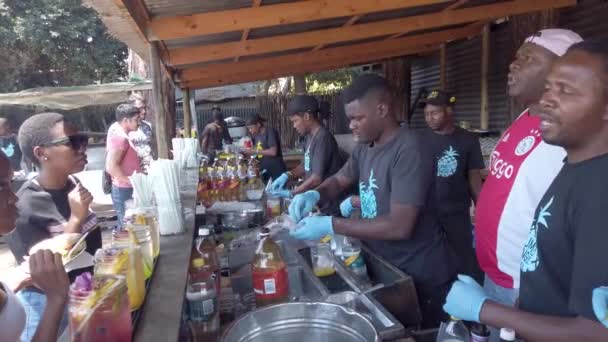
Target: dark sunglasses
(75, 141)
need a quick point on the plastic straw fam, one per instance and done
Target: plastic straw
(142, 187)
(165, 177)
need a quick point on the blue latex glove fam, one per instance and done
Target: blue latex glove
(465, 299)
(302, 204)
(280, 193)
(279, 183)
(346, 207)
(600, 304)
(313, 228)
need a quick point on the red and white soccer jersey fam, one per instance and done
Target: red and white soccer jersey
(522, 167)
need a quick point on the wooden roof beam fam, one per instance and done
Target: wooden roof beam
(165, 28)
(455, 5)
(452, 7)
(245, 36)
(344, 54)
(198, 54)
(140, 18)
(300, 69)
(350, 22)
(139, 15)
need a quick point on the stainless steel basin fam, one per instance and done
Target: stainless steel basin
(386, 325)
(302, 322)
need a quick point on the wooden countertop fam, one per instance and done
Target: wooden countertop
(162, 311)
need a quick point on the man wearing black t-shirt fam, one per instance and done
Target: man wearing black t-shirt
(564, 257)
(394, 173)
(322, 157)
(458, 162)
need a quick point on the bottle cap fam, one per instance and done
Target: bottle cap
(203, 231)
(507, 334)
(480, 329)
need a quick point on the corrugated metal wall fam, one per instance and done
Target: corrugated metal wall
(463, 60)
(425, 74)
(463, 63)
(500, 58)
(588, 18)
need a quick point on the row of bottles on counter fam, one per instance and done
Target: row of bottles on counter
(203, 295)
(203, 290)
(229, 180)
(456, 331)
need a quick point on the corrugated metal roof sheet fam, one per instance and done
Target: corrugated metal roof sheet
(297, 28)
(473, 3)
(161, 8)
(372, 17)
(205, 40)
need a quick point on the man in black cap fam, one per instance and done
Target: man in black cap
(458, 162)
(322, 157)
(267, 146)
(215, 133)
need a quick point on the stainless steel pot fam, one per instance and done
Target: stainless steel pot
(239, 219)
(302, 322)
(242, 219)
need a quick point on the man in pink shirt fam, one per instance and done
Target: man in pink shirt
(122, 159)
(522, 167)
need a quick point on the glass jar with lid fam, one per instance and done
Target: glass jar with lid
(140, 235)
(148, 216)
(127, 262)
(110, 321)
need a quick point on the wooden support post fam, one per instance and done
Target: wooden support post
(484, 117)
(160, 115)
(442, 67)
(187, 112)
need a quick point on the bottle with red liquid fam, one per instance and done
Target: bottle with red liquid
(269, 273)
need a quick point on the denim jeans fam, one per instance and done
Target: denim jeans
(119, 197)
(500, 295)
(34, 302)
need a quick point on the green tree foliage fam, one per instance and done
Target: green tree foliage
(56, 43)
(330, 80)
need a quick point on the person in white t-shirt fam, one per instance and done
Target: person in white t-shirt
(47, 274)
(521, 169)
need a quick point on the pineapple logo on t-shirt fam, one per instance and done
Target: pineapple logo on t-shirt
(448, 163)
(369, 207)
(9, 150)
(530, 260)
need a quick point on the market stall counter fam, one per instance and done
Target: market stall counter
(161, 314)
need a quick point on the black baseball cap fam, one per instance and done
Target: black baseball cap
(254, 119)
(302, 104)
(439, 97)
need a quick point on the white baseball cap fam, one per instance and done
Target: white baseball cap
(557, 41)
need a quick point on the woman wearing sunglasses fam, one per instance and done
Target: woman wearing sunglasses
(52, 203)
(46, 271)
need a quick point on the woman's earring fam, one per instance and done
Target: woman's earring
(46, 158)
